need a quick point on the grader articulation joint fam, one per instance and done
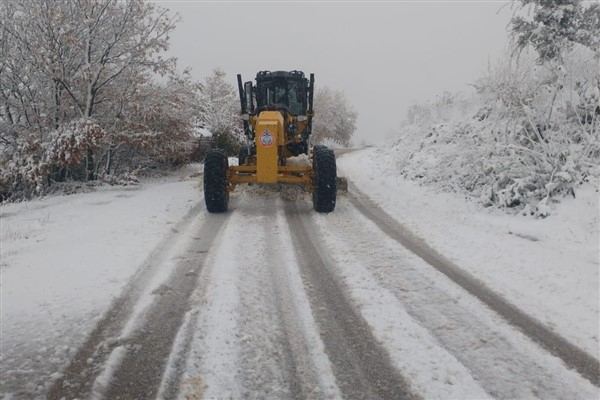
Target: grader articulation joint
(277, 113)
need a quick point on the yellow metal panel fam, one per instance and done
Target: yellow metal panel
(303, 180)
(295, 168)
(237, 179)
(269, 134)
(281, 169)
(244, 168)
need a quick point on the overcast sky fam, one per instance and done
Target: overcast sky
(385, 56)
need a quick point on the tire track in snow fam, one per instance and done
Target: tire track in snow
(253, 335)
(231, 343)
(311, 364)
(91, 358)
(139, 372)
(265, 368)
(81, 373)
(585, 364)
(363, 369)
(209, 363)
(503, 360)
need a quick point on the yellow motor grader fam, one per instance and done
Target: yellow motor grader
(277, 114)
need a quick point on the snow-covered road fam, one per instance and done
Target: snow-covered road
(269, 300)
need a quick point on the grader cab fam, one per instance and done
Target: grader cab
(277, 113)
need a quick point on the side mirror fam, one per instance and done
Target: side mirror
(248, 92)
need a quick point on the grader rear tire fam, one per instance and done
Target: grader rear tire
(324, 195)
(216, 195)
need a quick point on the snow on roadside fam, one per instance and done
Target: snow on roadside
(431, 370)
(547, 267)
(64, 258)
(502, 360)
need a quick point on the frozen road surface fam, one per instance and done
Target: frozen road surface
(152, 297)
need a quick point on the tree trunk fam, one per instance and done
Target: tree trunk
(89, 161)
(109, 161)
(56, 104)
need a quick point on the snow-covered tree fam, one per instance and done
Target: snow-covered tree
(93, 61)
(219, 111)
(335, 119)
(589, 28)
(157, 124)
(418, 114)
(555, 26)
(557, 30)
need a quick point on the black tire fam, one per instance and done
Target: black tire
(216, 195)
(243, 155)
(324, 195)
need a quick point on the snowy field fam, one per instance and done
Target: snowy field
(252, 309)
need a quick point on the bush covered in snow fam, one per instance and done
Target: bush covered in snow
(532, 130)
(534, 134)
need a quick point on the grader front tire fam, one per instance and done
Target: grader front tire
(216, 195)
(325, 185)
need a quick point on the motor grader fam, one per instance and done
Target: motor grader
(277, 113)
